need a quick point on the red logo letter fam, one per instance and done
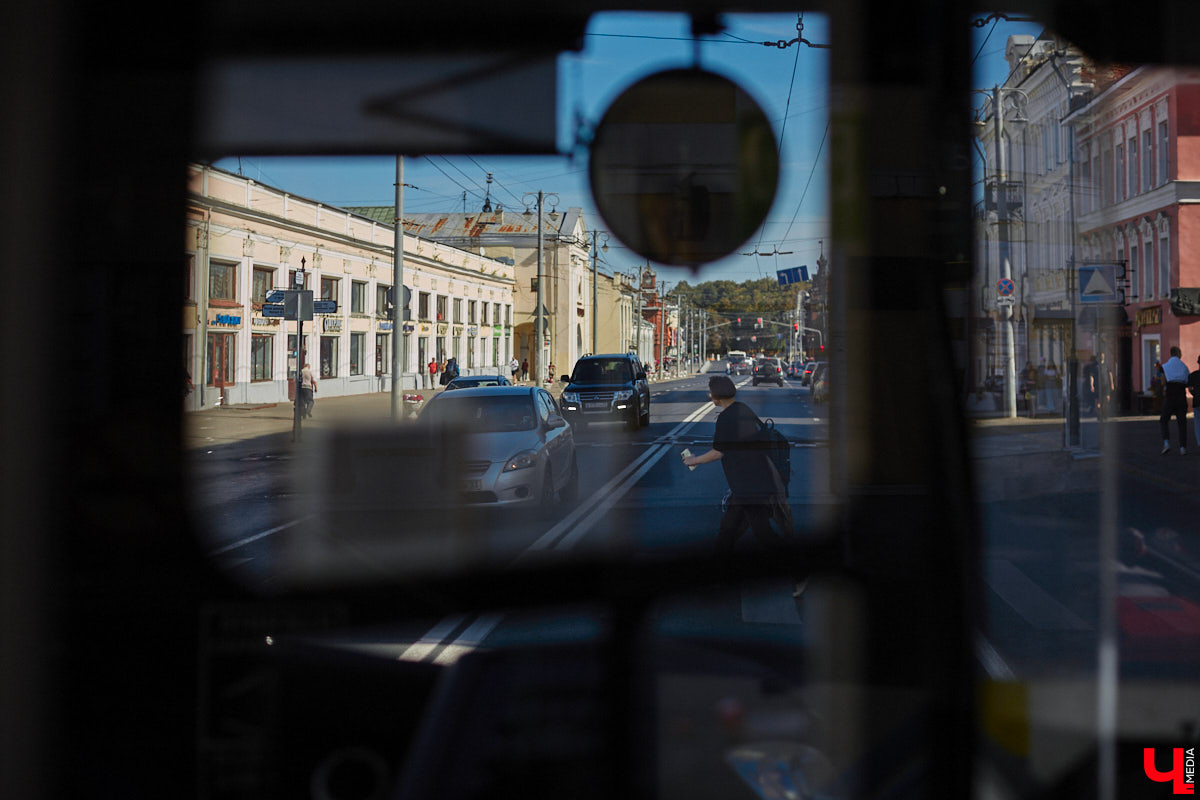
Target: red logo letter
(1175, 775)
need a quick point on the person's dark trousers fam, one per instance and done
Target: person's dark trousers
(1174, 405)
(757, 516)
(306, 401)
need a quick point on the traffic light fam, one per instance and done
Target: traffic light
(759, 323)
(739, 320)
(795, 327)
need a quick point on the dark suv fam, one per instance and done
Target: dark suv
(604, 388)
(768, 369)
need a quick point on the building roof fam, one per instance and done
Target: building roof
(472, 225)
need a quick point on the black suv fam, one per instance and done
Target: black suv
(768, 369)
(607, 387)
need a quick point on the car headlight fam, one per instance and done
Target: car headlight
(624, 394)
(522, 460)
(571, 397)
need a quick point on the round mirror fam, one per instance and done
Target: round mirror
(684, 167)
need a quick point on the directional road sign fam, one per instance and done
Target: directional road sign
(276, 295)
(273, 309)
(792, 275)
(324, 306)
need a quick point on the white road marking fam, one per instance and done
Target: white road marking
(257, 536)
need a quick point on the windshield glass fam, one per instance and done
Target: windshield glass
(482, 413)
(603, 370)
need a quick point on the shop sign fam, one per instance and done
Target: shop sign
(1148, 316)
(458, 330)
(226, 319)
(408, 327)
(443, 328)
(497, 330)
(473, 330)
(263, 321)
(332, 323)
(386, 326)
(425, 329)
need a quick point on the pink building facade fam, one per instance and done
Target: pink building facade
(1137, 167)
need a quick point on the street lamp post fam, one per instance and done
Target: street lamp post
(1004, 250)
(595, 304)
(539, 332)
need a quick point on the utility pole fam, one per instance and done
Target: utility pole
(595, 304)
(398, 348)
(1005, 255)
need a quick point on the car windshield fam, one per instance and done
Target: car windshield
(482, 413)
(603, 371)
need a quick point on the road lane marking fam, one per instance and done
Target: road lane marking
(257, 536)
(418, 650)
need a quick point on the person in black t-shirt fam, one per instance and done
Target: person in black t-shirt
(747, 470)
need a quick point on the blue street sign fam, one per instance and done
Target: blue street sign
(792, 275)
(272, 309)
(276, 296)
(324, 306)
(1098, 284)
(1005, 287)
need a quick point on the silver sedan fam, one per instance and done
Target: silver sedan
(518, 450)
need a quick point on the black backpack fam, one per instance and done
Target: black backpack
(777, 448)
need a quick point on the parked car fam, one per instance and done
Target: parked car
(473, 381)
(607, 388)
(819, 382)
(768, 369)
(806, 375)
(518, 448)
(795, 369)
(739, 364)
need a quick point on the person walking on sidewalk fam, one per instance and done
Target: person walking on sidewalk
(753, 481)
(514, 367)
(525, 369)
(1193, 385)
(308, 386)
(1175, 380)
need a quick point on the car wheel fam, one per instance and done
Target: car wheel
(570, 491)
(632, 422)
(645, 418)
(546, 498)
(754, 383)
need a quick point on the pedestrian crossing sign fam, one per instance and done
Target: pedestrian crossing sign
(1098, 283)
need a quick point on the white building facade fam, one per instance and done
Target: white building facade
(243, 239)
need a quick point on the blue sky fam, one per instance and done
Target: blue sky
(791, 84)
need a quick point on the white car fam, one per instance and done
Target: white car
(518, 450)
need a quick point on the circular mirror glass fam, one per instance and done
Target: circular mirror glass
(684, 167)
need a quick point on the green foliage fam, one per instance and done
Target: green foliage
(726, 300)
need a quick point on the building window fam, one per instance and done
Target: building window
(441, 308)
(329, 356)
(423, 306)
(1132, 184)
(1147, 155)
(189, 277)
(495, 313)
(262, 345)
(470, 312)
(1164, 261)
(358, 342)
(383, 358)
(1119, 175)
(329, 288)
(1147, 283)
(358, 297)
(263, 282)
(1106, 178)
(222, 281)
(1162, 153)
(483, 313)
(381, 299)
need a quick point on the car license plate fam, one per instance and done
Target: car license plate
(595, 406)
(471, 486)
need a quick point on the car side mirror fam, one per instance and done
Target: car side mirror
(641, 376)
(565, 378)
(555, 421)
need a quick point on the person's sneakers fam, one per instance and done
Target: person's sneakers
(1166, 449)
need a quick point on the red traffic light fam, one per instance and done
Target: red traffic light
(796, 327)
(739, 320)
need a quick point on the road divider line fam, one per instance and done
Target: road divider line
(420, 649)
(242, 542)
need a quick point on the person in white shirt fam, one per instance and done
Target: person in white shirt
(1175, 375)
